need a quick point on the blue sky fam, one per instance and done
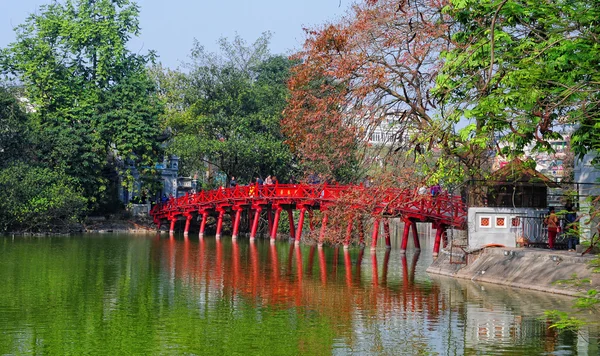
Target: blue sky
(169, 27)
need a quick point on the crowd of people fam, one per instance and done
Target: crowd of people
(569, 224)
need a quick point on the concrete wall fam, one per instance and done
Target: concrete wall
(489, 225)
(589, 176)
(535, 269)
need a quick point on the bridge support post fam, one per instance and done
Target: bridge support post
(441, 229)
(188, 219)
(269, 219)
(405, 232)
(255, 223)
(386, 232)
(236, 222)
(375, 234)
(361, 232)
(292, 227)
(275, 223)
(300, 225)
(348, 234)
(413, 225)
(220, 223)
(203, 223)
(323, 227)
(172, 228)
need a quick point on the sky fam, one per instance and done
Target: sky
(169, 27)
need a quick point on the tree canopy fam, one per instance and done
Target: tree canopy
(94, 108)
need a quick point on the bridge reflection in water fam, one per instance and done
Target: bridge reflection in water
(367, 297)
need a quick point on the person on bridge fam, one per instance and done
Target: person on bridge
(268, 180)
(232, 182)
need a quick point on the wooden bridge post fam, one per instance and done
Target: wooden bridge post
(300, 224)
(405, 232)
(361, 232)
(386, 232)
(236, 222)
(275, 223)
(172, 228)
(220, 222)
(188, 219)
(413, 225)
(203, 223)
(348, 234)
(375, 234)
(292, 227)
(255, 223)
(440, 230)
(323, 227)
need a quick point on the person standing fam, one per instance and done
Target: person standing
(232, 182)
(572, 228)
(552, 223)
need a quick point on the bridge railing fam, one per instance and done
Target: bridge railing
(395, 201)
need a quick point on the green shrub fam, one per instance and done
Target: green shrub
(37, 199)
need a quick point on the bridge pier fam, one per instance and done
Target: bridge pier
(386, 232)
(236, 223)
(220, 222)
(203, 223)
(375, 234)
(348, 234)
(257, 211)
(275, 223)
(291, 220)
(172, 228)
(300, 224)
(440, 230)
(323, 227)
(407, 224)
(188, 219)
(413, 225)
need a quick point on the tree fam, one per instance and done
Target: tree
(376, 66)
(235, 102)
(13, 128)
(92, 97)
(520, 69)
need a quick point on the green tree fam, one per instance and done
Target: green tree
(13, 128)
(94, 103)
(36, 198)
(234, 102)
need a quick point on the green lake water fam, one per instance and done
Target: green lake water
(110, 294)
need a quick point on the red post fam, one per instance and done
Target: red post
(236, 223)
(300, 224)
(375, 234)
(348, 234)
(416, 241)
(323, 227)
(203, 223)
(292, 227)
(386, 232)
(405, 236)
(269, 219)
(172, 229)
(255, 223)
(188, 219)
(275, 223)
(361, 232)
(220, 223)
(438, 239)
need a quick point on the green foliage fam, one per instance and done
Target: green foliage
(233, 105)
(36, 198)
(522, 68)
(95, 108)
(13, 128)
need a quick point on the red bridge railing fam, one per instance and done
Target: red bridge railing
(443, 210)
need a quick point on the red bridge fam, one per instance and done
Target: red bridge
(442, 211)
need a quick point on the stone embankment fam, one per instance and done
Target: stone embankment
(528, 268)
(103, 225)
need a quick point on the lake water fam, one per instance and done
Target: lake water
(116, 294)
